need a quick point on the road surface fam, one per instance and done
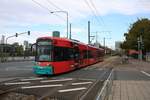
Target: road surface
(20, 82)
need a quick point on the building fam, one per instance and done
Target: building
(118, 46)
(26, 44)
(2, 41)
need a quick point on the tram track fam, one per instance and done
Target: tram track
(96, 87)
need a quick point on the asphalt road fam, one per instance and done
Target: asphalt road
(18, 77)
(16, 69)
(60, 88)
(24, 69)
(130, 75)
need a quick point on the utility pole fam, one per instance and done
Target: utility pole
(88, 32)
(141, 53)
(104, 45)
(67, 24)
(3, 42)
(70, 32)
(96, 37)
(104, 41)
(140, 44)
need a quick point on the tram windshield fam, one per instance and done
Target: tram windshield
(44, 49)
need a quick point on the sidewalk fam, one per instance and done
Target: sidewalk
(130, 90)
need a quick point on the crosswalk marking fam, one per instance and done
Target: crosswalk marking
(66, 79)
(41, 86)
(81, 83)
(15, 83)
(31, 79)
(72, 89)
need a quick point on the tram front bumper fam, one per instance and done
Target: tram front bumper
(46, 70)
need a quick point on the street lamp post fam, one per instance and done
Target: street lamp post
(66, 15)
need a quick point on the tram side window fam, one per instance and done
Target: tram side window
(87, 54)
(62, 54)
(90, 54)
(68, 53)
(71, 53)
(100, 54)
(97, 54)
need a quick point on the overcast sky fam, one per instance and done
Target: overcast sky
(110, 18)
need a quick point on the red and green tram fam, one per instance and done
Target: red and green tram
(56, 55)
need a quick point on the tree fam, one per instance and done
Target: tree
(18, 49)
(140, 27)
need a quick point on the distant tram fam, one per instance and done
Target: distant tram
(56, 55)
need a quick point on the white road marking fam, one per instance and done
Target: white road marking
(27, 69)
(41, 86)
(15, 83)
(100, 69)
(145, 73)
(67, 79)
(73, 89)
(11, 68)
(31, 79)
(28, 66)
(87, 79)
(17, 68)
(81, 83)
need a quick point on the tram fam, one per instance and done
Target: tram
(55, 55)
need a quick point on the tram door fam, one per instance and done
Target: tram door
(76, 56)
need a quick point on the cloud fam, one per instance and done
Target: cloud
(26, 11)
(18, 15)
(125, 7)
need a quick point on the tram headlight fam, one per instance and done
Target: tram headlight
(35, 63)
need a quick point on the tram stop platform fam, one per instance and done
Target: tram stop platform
(130, 90)
(131, 82)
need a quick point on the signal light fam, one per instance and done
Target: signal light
(28, 32)
(16, 34)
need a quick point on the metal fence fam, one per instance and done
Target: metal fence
(106, 89)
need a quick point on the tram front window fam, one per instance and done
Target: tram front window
(44, 51)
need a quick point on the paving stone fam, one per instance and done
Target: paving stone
(130, 90)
